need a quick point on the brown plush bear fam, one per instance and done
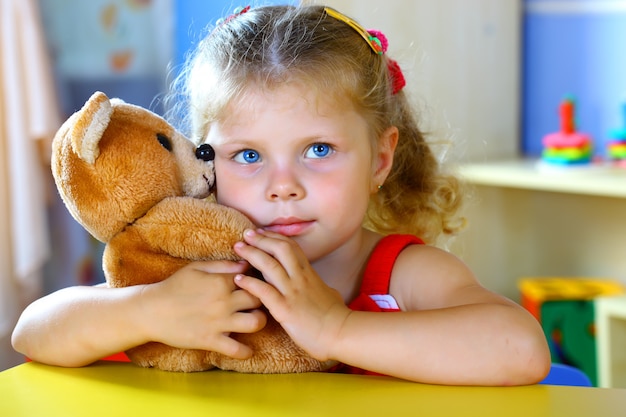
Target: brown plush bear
(138, 185)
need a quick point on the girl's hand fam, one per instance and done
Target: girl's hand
(311, 312)
(199, 306)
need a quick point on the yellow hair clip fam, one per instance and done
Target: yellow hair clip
(371, 40)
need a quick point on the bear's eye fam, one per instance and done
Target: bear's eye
(164, 141)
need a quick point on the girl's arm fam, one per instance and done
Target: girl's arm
(195, 308)
(460, 332)
(454, 333)
(76, 326)
(452, 330)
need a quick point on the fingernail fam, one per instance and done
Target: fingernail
(249, 232)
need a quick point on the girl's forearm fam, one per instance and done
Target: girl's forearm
(78, 325)
(480, 344)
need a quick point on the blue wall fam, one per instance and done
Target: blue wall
(193, 17)
(577, 48)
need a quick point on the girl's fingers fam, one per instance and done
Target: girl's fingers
(230, 347)
(243, 300)
(241, 322)
(270, 267)
(287, 247)
(282, 254)
(248, 322)
(268, 294)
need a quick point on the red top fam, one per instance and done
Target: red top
(374, 293)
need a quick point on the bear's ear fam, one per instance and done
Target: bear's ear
(89, 126)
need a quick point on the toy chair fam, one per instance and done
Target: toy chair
(561, 374)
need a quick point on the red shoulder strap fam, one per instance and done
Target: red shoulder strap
(378, 270)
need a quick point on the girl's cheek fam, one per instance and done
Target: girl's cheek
(237, 197)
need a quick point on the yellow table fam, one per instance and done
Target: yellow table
(121, 389)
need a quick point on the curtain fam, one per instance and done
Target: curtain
(29, 117)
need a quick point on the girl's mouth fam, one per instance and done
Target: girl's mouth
(289, 227)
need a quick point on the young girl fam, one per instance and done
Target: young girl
(316, 143)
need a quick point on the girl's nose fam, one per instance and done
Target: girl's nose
(284, 186)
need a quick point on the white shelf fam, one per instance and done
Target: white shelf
(610, 323)
(594, 179)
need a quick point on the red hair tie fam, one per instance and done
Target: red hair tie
(397, 77)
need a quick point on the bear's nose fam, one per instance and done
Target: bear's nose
(205, 152)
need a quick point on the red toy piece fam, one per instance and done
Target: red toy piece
(567, 146)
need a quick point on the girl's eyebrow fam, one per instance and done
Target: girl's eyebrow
(244, 140)
(233, 140)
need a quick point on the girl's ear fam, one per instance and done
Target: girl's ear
(383, 160)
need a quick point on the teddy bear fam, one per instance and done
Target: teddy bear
(140, 186)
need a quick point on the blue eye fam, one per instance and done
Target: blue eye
(247, 156)
(318, 150)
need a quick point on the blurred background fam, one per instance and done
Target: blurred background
(487, 76)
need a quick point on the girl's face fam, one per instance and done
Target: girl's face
(299, 165)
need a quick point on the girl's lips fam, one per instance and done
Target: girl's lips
(289, 228)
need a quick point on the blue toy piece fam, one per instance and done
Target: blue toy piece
(561, 374)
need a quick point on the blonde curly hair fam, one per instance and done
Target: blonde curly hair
(267, 46)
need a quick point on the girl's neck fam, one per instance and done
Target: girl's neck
(343, 269)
